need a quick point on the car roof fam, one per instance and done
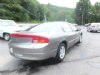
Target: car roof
(48, 26)
(95, 23)
(55, 23)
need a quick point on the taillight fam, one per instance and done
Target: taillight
(35, 38)
(40, 39)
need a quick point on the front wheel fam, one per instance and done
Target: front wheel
(61, 53)
(7, 36)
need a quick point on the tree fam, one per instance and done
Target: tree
(96, 12)
(21, 10)
(82, 12)
(56, 13)
(32, 10)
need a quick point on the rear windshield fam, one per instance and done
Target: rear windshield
(46, 27)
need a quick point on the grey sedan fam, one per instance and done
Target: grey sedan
(47, 40)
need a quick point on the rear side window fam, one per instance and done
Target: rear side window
(73, 27)
(67, 28)
(57, 29)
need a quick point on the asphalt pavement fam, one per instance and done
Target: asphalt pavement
(81, 59)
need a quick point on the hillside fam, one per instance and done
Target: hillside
(33, 11)
(60, 13)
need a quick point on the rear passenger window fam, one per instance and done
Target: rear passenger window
(58, 29)
(67, 28)
(73, 27)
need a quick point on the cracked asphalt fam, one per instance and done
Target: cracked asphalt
(81, 59)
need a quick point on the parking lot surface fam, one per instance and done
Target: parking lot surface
(81, 59)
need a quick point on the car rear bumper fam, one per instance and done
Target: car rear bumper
(32, 54)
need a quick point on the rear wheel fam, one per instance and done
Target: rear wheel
(7, 36)
(61, 53)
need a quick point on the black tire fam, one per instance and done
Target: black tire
(95, 31)
(58, 57)
(91, 31)
(6, 36)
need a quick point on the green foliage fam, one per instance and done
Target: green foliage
(82, 10)
(60, 13)
(21, 10)
(95, 13)
(32, 10)
(85, 13)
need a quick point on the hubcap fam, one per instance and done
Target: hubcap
(62, 52)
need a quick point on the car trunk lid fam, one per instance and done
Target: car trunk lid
(29, 37)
